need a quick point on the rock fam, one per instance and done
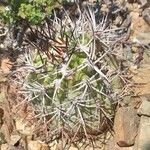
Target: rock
(73, 148)
(10, 147)
(143, 38)
(91, 1)
(143, 139)
(144, 3)
(14, 139)
(23, 127)
(55, 147)
(4, 147)
(138, 24)
(142, 79)
(111, 144)
(2, 138)
(132, 7)
(144, 108)
(146, 15)
(126, 126)
(37, 145)
(2, 97)
(6, 65)
(6, 131)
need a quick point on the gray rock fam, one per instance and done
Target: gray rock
(146, 15)
(143, 138)
(144, 109)
(126, 126)
(144, 3)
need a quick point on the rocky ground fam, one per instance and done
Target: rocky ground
(132, 120)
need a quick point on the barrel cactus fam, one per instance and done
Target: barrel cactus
(73, 77)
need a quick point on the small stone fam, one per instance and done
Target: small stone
(6, 65)
(37, 145)
(6, 131)
(144, 108)
(23, 127)
(4, 147)
(146, 15)
(104, 8)
(10, 147)
(143, 138)
(1, 45)
(2, 138)
(14, 139)
(15, 148)
(2, 98)
(111, 145)
(133, 67)
(126, 126)
(91, 1)
(144, 3)
(142, 37)
(138, 24)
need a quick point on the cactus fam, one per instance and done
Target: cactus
(74, 83)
